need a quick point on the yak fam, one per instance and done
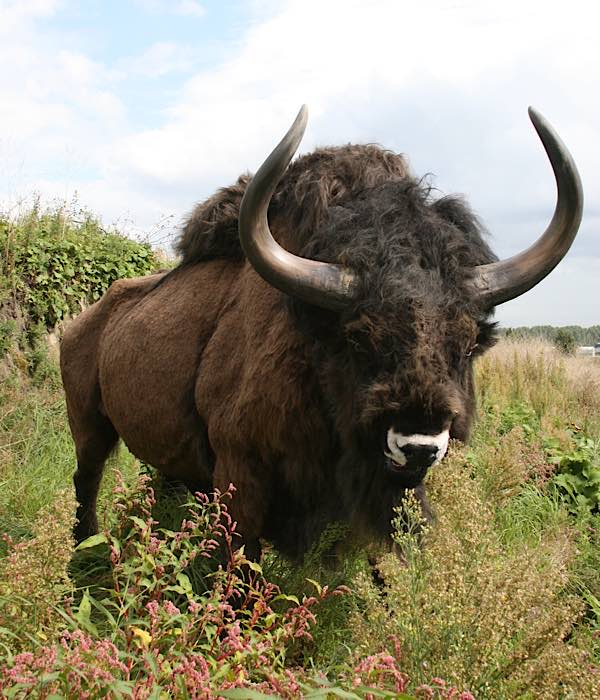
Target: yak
(314, 346)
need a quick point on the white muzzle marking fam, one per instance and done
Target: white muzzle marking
(396, 441)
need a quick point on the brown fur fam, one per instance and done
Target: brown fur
(213, 376)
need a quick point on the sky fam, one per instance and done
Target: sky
(139, 109)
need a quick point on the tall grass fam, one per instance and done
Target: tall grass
(37, 456)
(501, 596)
(557, 388)
(484, 611)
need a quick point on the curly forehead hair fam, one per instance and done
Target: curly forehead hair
(311, 186)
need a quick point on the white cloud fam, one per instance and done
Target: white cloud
(14, 13)
(160, 59)
(358, 64)
(59, 111)
(188, 8)
(447, 82)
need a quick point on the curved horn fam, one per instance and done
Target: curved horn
(504, 280)
(320, 283)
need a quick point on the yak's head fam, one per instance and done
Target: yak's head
(397, 289)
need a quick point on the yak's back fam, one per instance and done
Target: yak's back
(310, 187)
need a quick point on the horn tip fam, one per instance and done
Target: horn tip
(302, 117)
(535, 115)
(541, 125)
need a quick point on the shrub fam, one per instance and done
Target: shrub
(150, 631)
(485, 614)
(56, 261)
(34, 577)
(565, 342)
(7, 334)
(578, 465)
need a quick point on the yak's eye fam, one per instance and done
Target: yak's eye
(472, 350)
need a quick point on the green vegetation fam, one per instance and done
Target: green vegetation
(581, 336)
(56, 261)
(577, 472)
(565, 342)
(499, 598)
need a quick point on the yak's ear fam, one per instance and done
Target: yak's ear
(211, 230)
(487, 335)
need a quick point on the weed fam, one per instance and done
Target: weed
(485, 614)
(150, 634)
(578, 466)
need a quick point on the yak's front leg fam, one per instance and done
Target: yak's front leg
(249, 504)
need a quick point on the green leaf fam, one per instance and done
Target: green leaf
(335, 692)
(287, 597)
(316, 584)
(83, 614)
(92, 541)
(138, 521)
(184, 582)
(83, 611)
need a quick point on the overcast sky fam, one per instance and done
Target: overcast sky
(144, 107)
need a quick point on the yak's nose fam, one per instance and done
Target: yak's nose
(420, 455)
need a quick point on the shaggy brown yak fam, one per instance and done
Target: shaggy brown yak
(323, 373)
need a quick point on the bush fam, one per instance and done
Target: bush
(158, 629)
(489, 615)
(150, 631)
(7, 334)
(34, 578)
(578, 463)
(565, 342)
(56, 261)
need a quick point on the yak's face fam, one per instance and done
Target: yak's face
(397, 366)
(401, 387)
(413, 388)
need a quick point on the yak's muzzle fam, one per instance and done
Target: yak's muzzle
(417, 451)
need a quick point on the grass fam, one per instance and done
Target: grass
(37, 456)
(558, 389)
(503, 599)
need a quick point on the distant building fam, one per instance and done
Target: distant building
(589, 350)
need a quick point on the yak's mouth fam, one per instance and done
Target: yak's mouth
(408, 457)
(408, 476)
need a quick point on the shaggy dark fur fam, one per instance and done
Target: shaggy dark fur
(214, 377)
(311, 186)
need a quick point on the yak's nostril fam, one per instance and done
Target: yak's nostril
(421, 455)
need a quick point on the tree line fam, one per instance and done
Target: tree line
(581, 336)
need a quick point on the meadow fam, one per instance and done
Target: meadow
(499, 598)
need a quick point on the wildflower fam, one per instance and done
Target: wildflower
(171, 609)
(143, 635)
